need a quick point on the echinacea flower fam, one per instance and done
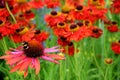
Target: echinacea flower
(28, 55)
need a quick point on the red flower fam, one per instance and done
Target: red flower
(61, 29)
(36, 4)
(74, 2)
(78, 32)
(71, 49)
(77, 13)
(53, 18)
(40, 36)
(63, 41)
(29, 15)
(52, 3)
(96, 32)
(22, 5)
(115, 46)
(96, 3)
(115, 7)
(92, 14)
(113, 27)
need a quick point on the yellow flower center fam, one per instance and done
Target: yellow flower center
(66, 8)
(1, 23)
(22, 30)
(61, 25)
(54, 13)
(87, 23)
(21, 1)
(94, 2)
(73, 27)
(79, 7)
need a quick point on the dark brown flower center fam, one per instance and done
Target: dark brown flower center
(37, 32)
(33, 50)
(1, 22)
(79, 7)
(73, 26)
(70, 44)
(94, 0)
(118, 41)
(20, 29)
(65, 11)
(80, 24)
(95, 30)
(53, 13)
(114, 23)
(28, 11)
(87, 23)
(20, 15)
(63, 38)
(11, 7)
(61, 23)
(2, 4)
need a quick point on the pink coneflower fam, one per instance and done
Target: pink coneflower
(27, 56)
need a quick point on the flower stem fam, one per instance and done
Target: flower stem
(4, 44)
(10, 12)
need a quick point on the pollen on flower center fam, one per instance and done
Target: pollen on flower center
(33, 49)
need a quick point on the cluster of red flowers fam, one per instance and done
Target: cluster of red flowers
(75, 22)
(71, 21)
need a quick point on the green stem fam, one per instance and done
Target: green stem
(12, 16)
(97, 64)
(10, 12)
(4, 44)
